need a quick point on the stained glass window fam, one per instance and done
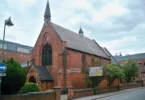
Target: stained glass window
(47, 55)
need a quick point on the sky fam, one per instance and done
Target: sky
(118, 25)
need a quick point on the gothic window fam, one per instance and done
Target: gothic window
(47, 55)
(83, 63)
(93, 61)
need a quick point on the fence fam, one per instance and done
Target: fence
(76, 93)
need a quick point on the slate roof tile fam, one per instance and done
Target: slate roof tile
(76, 42)
(44, 73)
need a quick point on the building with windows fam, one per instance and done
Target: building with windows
(19, 52)
(61, 57)
(138, 58)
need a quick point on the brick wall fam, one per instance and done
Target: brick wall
(57, 48)
(82, 93)
(57, 68)
(76, 93)
(130, 86)
(32, 96)
(17, 56)
(43, 85)
(75, 62)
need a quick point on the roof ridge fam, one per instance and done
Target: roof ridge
(71, 30)
(133, 54)
(64, 28)
(74, 41)
(16, 43)
(101, 48)
(109, 53)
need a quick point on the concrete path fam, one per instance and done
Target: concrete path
(112, 94)
(63, 97)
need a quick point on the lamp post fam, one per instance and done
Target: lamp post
(7, 22)
(118, 54)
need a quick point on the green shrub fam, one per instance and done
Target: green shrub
(30, 87)
(15, 77)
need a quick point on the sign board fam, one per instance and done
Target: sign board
(75, 70)
(3, 67)
(2, 74)
(96, 71)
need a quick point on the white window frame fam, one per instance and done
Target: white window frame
(5, 46)
(24, 50)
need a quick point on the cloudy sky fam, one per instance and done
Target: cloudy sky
(118, 25)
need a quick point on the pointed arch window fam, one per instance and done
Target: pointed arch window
(47, 55)
(83, 63)
(93, 61)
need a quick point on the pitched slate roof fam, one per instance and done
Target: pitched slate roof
(44, 73)
(113, 60)
(134, 56)
(76, 42)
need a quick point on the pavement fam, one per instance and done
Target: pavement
(63, 97)
(128, 94)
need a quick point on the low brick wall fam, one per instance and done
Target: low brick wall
(76, 93)
(128, 86)
(82, 92)
(31, 96)
(108, 89)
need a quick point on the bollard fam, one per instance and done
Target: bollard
(57, 91)
(70, 93)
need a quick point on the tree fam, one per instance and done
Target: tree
(112, 72)
(30, 87)
(95, 80)
(15, 77)
(131, 70)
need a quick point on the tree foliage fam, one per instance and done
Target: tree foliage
(30, 87)
(15, 77)
(112, 72)
(131, 70)
(94, 81)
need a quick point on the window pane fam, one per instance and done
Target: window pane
(5, 46)
(47, 55)
(19, 49)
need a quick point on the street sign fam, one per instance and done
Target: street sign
(3, 67)
(96, 71)
(2, 74)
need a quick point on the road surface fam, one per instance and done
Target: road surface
(128, 94)
(138, 94)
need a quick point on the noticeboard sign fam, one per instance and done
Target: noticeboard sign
(96, 71)
(2, 74)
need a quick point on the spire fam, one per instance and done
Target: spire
(81, 32)
(47, 14)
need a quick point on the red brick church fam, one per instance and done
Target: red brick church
(60, 56)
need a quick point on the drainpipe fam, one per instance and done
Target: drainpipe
(65, 53)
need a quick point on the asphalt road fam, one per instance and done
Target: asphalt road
(138, 94)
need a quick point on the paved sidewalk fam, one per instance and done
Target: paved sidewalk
(94, 97)
(63, 97)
